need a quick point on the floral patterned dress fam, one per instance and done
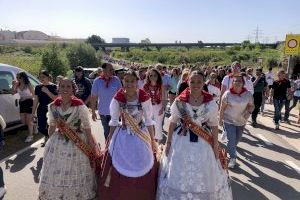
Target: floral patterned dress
(66, 172)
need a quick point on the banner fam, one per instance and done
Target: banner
(292, 43)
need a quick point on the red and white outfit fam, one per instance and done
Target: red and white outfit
(155, 93)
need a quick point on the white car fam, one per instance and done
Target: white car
(9, 104)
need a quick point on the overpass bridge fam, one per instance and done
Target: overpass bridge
(126, 46)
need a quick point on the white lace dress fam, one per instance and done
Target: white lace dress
(191, 170)
(66, 173)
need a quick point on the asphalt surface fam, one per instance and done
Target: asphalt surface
(268, 165)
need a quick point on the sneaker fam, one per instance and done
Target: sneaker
(287, 121)
(231, 163)
(277, 126)
(2, 191)
(254, 124)
(29, 138)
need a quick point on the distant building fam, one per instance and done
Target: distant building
(6, 35)
(120, 40)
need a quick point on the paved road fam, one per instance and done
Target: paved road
(268, 164)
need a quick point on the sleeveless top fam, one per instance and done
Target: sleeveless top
(25, 93)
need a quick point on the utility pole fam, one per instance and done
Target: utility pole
(257, 33)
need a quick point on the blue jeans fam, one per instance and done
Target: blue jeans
(105, 123)
(234, 135)
(278, 104)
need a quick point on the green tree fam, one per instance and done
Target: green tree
(84, 55)
(95, 39)
(54, 61)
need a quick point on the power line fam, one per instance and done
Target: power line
(257, 34)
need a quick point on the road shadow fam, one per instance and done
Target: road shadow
(245, 190)
(257, 142)
(36, 170)
(295, 134)
(20, 161)
(273, 185)
(277, 166)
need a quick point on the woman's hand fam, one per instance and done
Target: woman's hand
(246, 114)
(14, 83)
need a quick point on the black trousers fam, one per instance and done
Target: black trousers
(1, 178)
(42, 120)
(257, 104)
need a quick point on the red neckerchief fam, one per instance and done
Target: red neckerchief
(120, 96)
(74, 101)
(105, 79)
(281, 81)
(241, 92)
(185, 95)
(155, 94)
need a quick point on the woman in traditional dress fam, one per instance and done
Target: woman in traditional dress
(129, 169)
(154, 87)
(67, 171)
(190, 166)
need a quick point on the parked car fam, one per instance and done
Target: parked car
(9, 104)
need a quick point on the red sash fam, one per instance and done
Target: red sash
(86, 149)
(201, 132)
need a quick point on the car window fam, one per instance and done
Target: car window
(6, 79)
(33, 81)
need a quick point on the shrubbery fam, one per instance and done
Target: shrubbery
(54, 61)
(82, 54)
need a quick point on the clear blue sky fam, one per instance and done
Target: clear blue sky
(158, 20)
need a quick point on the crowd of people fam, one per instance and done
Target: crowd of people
(132, 105)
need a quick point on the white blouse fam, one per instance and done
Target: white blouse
(82, 111)
(115, 112)
(207, 112)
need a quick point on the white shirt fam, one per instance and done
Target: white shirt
(270, 78)
(249, 85)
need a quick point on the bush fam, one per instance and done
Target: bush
(54, 61)
(83, 55)
(28, 49)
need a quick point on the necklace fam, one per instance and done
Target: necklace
(196, 99)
